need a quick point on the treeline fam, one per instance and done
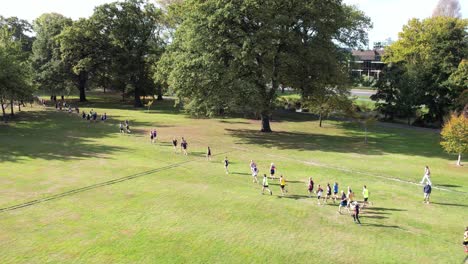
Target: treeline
(116, 48)
(222, 57)
(426, 73)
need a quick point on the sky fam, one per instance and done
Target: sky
(388, 16)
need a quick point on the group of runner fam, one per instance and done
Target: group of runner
(124, 127)
(183, 145)
(93, 116)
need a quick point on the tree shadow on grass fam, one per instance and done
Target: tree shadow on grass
(384, 209)
(451, 204)
(352, 141)
(296, 196)
(52, 135)
(373, 216)
(383, 226)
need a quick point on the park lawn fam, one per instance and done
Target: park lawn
(186, 209)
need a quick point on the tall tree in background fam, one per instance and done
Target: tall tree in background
(233, 53)
(431, 50)
(81, 47)
(20, 30)
(51, 72)
(447, 8)
(132, 28)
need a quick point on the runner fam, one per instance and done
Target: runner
(252, 165)
(310, 186)
(319, 194)
(104, 117)
(335, 192)
(365, 194)
(152, 136)
(427, 193)
(465, 239)
(155, 134)
(344, 202)
(265, 185)
(282, 183)
(183, 146)
(174, 143)
(329, 193)
(226, 164)
(355, 207)
(427, 176)
(272, 171)
(350, 196)
(208, 153)
(254, 174)
(83, 116)
(121, 128)
(127, 126)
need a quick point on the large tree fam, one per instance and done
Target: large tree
(132, 28)
(81, 47)
(233, 53)
(455, 135)
(51, 72)
(14, 71)
(431, 51)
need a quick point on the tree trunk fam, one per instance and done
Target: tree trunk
(82, 80)
(11, 107)
(459, 159)
(409, 121)
(19, 107)
(138, 102)
(3, 110)
(320, 119)
(63, 97)
(265, 122)
(159, 92)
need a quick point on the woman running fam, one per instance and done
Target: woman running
(427, 176)
(272, 170)
(344, 202)
(265, 185)
(226, 164)
(121, 128)
(208, 153)
(282, 183)
(254, 175)
(319, 194)
(155, 134)
(310, 186)
(350, 195)
(174, 143)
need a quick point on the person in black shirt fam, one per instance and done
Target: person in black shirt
(355, 214)
(174, 143)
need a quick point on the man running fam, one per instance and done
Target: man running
(226, 164)
(329, 193)
(208, 153)
(282, 183)
(335, 192)
(152, 136)
(265, 185)
(121, 128)
(365, 194)
(427, 193)
(174, 143)
(310, 186)
(183, 146)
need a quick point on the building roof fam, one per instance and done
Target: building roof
(368, 55)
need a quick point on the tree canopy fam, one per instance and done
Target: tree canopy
(229, 55)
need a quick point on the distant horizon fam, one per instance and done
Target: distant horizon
(386, 24)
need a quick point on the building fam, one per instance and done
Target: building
(367, 63)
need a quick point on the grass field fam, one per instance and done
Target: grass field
(169, 208)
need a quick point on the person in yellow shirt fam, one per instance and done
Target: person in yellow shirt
(282, 182)
(365, 194)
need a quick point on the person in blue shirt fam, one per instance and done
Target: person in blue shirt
(427, 193)
(335, 191)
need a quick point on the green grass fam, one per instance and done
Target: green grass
(190, 211)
